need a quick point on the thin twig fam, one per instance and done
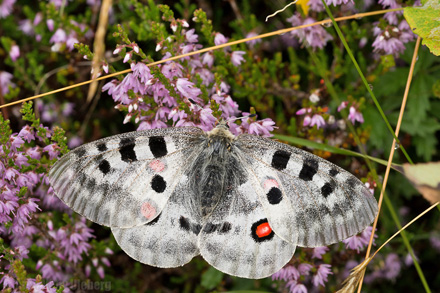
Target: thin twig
(390, 159)
(281, 10)
(278, 32)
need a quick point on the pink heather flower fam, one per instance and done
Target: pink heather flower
(208, 59)
(319, 251)
(87, 270)
(359, 241)
(101, 272)
(287, 273)
(105, 68)
(34, 153)
(321, 275)
(262, 127)
(295, 287)
(50, 24)
(408, 260)
(304, 268)
(71, 40)
(8, 281)
(388, 46)
(5, 82)
(237, 57)
(59, 36)
(343, 105)
(6, 7)
(27, 133)
(220, 39)
(187, 88)
(337, 2)
(307, 120)
(303, 111)
(355, 115)
(317, 120)
(16, 142)
(26, 27)
(316, 5)
(207, 118)
(435, 241)
(191, 37)
(253, 42)
(38, 18)
(74, 142)
(315, 36)
(171, 70)
(127, 57)
(52, 151)
(392, 266)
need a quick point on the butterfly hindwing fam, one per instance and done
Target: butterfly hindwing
(237, 239)
(170, 240)
(330, 204)
(124, 180)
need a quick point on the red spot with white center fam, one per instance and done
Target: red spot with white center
(157, 166)
(269, 183)
(147, 210)
(263, 230)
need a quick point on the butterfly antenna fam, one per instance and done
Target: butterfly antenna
(237, 118)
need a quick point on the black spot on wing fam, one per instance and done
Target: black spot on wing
(327, 189)
(274, 196)
(280, 159)
(184, 223)
(333, 172)
(225, 227)
(102, 147)
(80, 152)
(104, 167)
(209, 228)
(157, 145)
(352, 182)
(309, 169)
(195, 228)
(127, 150)
(158, 184)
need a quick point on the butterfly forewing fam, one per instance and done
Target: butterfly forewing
(124, 180)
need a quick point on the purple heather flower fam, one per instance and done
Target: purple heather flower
(5, 82)
(253, 42)
(8, 281)
(141, 71)
(304, 268)
(208, 59)
(52, 151)
(220, 39)
(59, 36)
(188, 89)
(16, 142)
(435, 241)
(50, 24)
(27, 133)
(26, 27)
(303, 111)
(317, 120)
(316, 5)
(74, 142)
(71, 40)
(337, 2)
(355, 115)
(358, 242)
(172, 70)
(261, 128)
(237, 57)
(6, 7)
(295, 287)
(315, 36)
(319, 251)
(101, 272)
(408, 260)
(191, 36)
(392, 266)
(287, 273)
(388, 45)
(321, 275)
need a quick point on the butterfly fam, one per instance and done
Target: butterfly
(242, 202)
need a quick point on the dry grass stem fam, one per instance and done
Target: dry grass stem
(99, 46)
(281, 10)
(278, 32)
(390, 159)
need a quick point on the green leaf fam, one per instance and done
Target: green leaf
(425, 22)
(211, 278)
(426, 178)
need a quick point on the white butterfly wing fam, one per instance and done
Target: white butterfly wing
(236, 240)
(170, 240)
(329, 203)
(124, 180)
